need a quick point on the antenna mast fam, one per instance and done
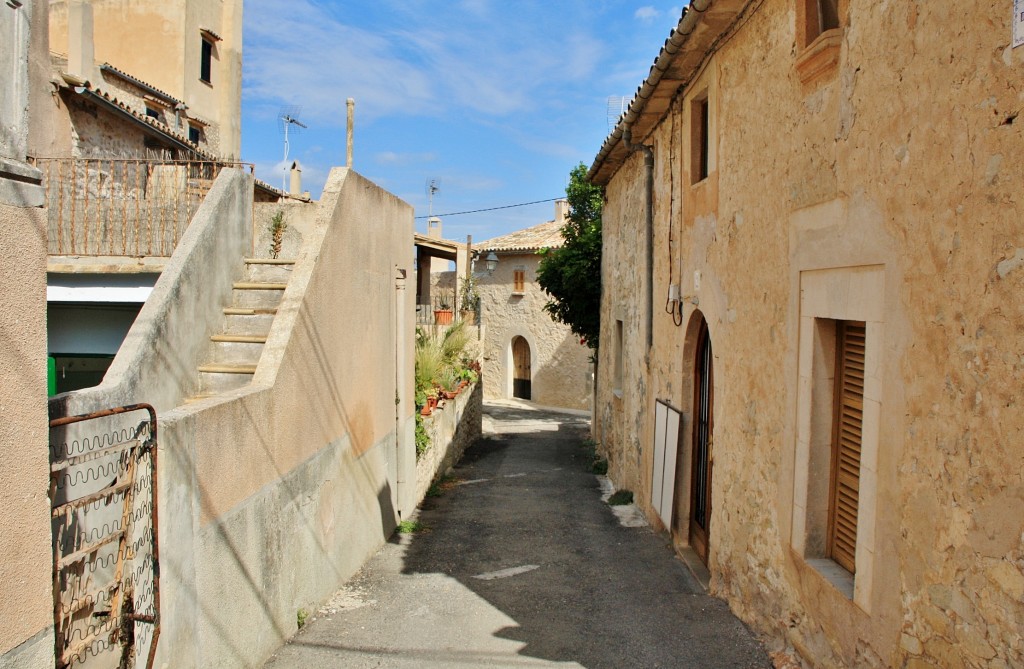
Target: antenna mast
(433, 186)
(286, 120)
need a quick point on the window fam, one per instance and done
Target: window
(700, 141)
(619, 353)
(839, 418)
(152, 113)
(206, 61)
(193, 134)
(519, 279)
(818, 24)
(847, 420)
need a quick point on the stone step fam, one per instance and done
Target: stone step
(237, 352)
(258, 295)
(268, 270)
(219, 378)
(248, 321)
(239, 338)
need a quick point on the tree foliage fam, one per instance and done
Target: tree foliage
(571, 275)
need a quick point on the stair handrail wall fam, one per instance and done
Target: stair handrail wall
(170, 336)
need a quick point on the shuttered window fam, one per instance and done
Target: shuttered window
(844, 491)
(519, 280)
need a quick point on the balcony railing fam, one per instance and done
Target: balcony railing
(439, 311)
(122, 207)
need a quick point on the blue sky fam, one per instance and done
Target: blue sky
(495, 100)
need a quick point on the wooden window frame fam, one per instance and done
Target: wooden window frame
(847, 439)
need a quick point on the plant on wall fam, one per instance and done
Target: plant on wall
(469, 297)
(441, 364)
(277, 228)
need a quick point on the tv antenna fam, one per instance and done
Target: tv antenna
(433, 186)
(617, 106)
(286, 119)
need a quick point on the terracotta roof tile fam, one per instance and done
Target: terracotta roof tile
(545, 235)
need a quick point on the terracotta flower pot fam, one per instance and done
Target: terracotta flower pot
(443, 316)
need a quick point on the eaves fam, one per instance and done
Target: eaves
(694, 38)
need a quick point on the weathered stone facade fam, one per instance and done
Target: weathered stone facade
(866, 175)
(561, 371)
(130, 78)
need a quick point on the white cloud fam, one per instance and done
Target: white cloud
(426, 63)
(403, 159)
(646, 14)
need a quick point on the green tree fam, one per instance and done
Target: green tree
(571, 275)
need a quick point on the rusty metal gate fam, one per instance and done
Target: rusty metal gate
(106, 574)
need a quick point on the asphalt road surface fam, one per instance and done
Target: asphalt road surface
(519, 563)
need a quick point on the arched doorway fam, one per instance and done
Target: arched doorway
(702, 456)
(521, 368)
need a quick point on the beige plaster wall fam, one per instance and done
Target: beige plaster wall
(898, 160)
(26, 603)
(275, 493)
(298, 479)
(560, 366)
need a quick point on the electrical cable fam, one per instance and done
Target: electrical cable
(507, 206)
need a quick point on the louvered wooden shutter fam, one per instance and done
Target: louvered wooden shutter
(846, 443)
(519, 281)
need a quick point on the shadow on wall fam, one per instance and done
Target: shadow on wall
(564, 380)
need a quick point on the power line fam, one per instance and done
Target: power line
(507, 206)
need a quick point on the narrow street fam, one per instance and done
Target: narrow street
(519, 563)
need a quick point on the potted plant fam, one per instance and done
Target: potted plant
(469, 300)
(443, 314)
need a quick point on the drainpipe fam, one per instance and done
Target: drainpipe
(627, 138)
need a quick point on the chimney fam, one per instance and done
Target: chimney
(561, 211)
(434, 227)
(295, 187)
(81, 57)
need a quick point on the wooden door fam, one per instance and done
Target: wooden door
(520, 368)
(703, 455)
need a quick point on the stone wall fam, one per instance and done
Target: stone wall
(452, 427)
(560, 364)
(895, 164)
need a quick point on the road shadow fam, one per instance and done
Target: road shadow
(522, 526)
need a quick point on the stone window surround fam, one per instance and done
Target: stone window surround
(817, 52)
(847, 293)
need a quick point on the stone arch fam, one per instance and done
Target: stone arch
(696, 322)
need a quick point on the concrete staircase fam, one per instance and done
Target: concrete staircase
(236, 349)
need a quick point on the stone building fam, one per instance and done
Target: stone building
(145, 109)
(138, 77)
(811, 321)
(526, 354)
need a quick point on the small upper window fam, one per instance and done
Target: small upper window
(152, 113)
(193, 134)
(819, 16)
(206, 61)
(519, 279)
(700, 139)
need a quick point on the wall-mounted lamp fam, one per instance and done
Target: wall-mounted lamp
(490, 262)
